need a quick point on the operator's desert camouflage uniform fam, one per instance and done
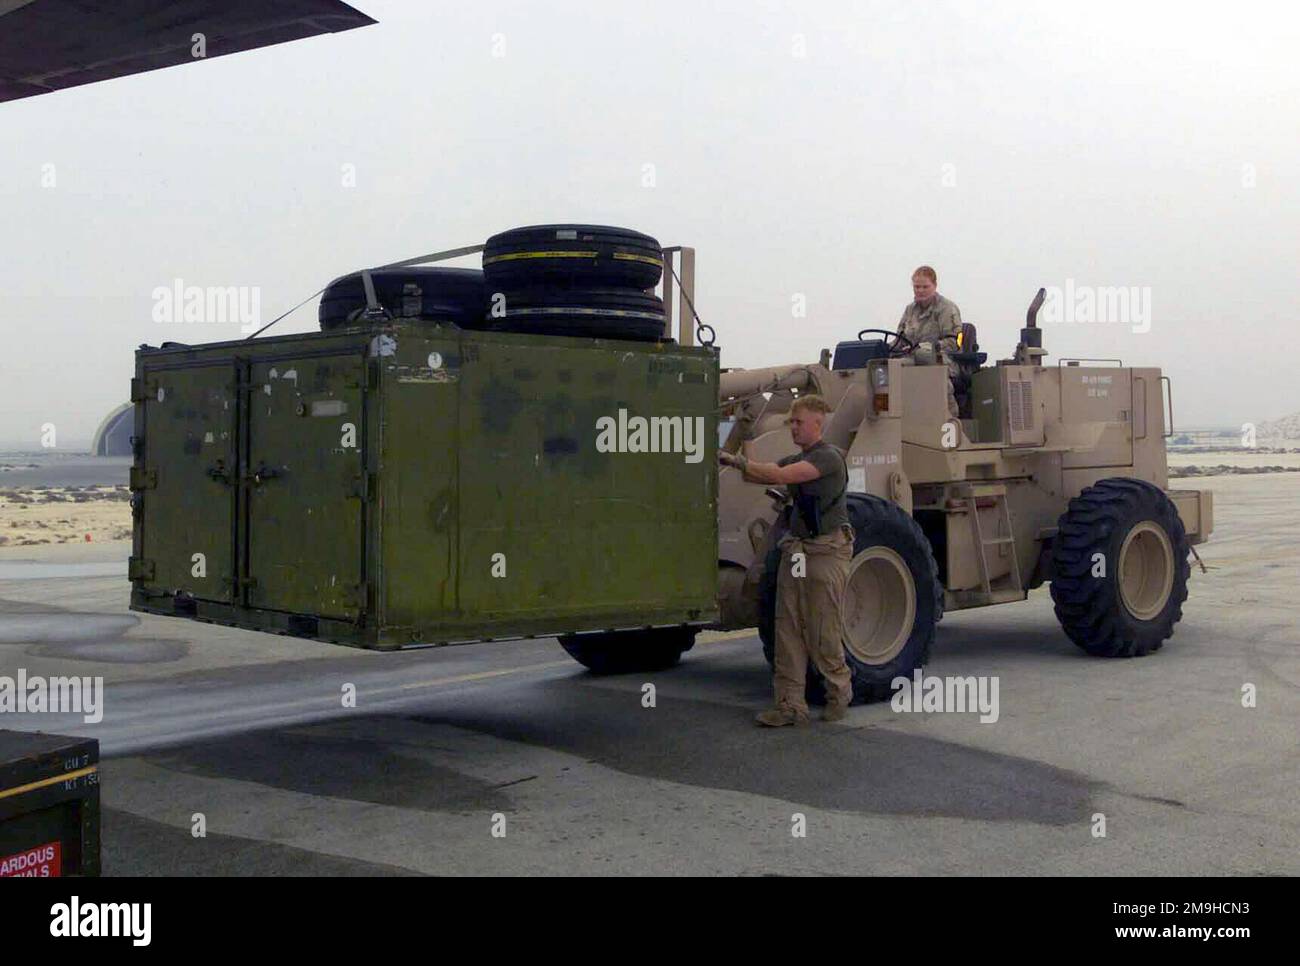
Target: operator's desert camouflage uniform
(939, 324)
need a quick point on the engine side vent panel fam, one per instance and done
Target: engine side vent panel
(1023, 427)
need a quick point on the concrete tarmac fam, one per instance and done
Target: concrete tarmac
(576, 775)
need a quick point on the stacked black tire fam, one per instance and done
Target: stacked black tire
(578, 280)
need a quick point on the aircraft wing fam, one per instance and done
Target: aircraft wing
(49, 45)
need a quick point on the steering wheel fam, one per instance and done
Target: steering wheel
(895, 349)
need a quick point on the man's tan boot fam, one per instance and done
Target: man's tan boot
(835, 711)
(780, 717)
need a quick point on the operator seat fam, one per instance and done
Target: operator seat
(968, 359)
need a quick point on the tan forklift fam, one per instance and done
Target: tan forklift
(1051, 474)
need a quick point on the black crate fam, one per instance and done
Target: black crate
(49, 805)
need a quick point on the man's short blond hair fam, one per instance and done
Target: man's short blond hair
(925, 271)
(810, 403)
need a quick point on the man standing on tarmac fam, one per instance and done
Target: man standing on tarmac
(815, 556)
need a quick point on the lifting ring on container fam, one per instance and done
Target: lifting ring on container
(700, 324)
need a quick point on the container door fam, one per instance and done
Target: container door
(184, 480)
(304, 474)
(582, 532)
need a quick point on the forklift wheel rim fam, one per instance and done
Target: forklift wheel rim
(1146, 570)
(879, 605)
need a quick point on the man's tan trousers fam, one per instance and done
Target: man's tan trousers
(809, 625)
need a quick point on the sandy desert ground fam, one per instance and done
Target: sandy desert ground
(31, 516)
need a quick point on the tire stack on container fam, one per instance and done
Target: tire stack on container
(578, 280)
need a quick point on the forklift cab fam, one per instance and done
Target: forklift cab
(856, 353)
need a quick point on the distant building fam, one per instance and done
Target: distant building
(113, 438)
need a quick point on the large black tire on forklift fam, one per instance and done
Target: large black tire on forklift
(1129, 533)
(573, 255)
(892, 602)
(622, 652)
(601, 313)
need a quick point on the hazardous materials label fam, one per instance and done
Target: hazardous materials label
(41, 862)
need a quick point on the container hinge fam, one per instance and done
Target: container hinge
(137, 568)
(367, 377)
(143, 479)
(365, 487)
(360, 596)
(139, 391)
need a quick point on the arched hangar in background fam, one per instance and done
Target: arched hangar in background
(113, 438)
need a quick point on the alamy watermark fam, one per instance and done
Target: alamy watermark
(32, 694)
(1107, 305)
(127, 920)
(208, 304)
(654, 434)
(933, 693)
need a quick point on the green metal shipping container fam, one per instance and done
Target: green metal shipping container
(414, 484)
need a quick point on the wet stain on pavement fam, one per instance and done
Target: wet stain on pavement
(868, 770)
(139, 846)
(51, 632)
(344, 768)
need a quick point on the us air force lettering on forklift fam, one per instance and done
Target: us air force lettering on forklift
(463, 455)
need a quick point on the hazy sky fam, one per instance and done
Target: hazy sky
(814, 149)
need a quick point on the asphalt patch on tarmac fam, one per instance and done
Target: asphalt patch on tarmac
(343, 768)
(137, 650)
(8, 607)
(48, 632)
(141, 846)
(868, 770)
(35, 627)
